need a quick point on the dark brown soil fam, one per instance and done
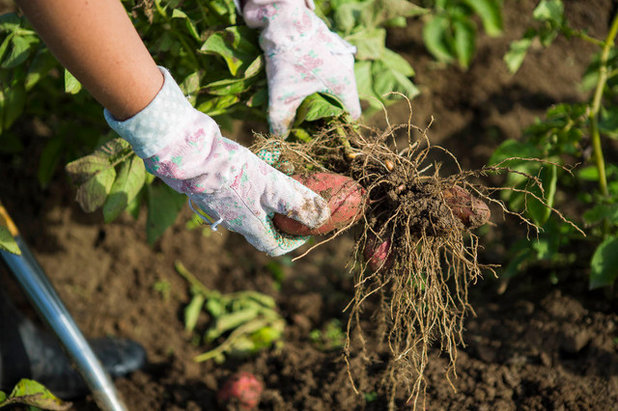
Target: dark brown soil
(536, 346)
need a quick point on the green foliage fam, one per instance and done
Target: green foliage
(241, 323)
(7, 242)
(33, 394)
(450, 30)
(330, 337)
(567, 135)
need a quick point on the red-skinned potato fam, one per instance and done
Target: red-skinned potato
(377, 253)
(470, 210)
(344, 197)
(242, 391)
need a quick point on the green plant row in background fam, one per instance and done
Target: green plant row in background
(220, 67)
(570, 133)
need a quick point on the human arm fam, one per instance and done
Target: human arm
(184, 147)
(97, 43)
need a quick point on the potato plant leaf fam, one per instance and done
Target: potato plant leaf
(128, 183)
(317, 106)
(370, 43)
(464, 41)
(538, 211)
(193, 310)
(387, 80)
(551, 11)
(21, 48)
(71, 84)
(7, 242)
(604, 264)
(164, 205)
(235, 46)
(435, 33)
(517, 52)
(94, 174)
(34, 394)
(490, 14)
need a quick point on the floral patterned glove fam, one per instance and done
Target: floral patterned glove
(302, 57)
(184, 148)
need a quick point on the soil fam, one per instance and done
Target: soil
(533, 343)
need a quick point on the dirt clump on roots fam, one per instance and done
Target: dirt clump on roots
(423, 221)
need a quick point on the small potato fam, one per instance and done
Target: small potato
(344, 197)
(241, 391)
(378, 253)
(470, 210)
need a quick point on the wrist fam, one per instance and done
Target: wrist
(156, 126)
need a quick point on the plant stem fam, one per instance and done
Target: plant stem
(192, 280)
(596, 106)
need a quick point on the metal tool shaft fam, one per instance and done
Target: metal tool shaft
(42, 294)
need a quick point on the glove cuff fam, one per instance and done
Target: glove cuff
(155, 127)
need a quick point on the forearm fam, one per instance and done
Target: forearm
(96, 41)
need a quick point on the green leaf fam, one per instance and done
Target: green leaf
(370, 43)
(49, 159)
(71, 84)
(13, 104)
(317, 106)
(517, 53)
(34, 394)
(490, 13)
(42, 63)
(190, 86)
(538, 211)
(20, 51)
(7, 242)
(193, 310)
(601, 212)
(387, 80)
(604, 264)
(164, 205)
(549, 10)
(236, 45)
(130, 180)
(435, 33)
(465, 40)
(608, 122)
(394, 61)
(94, 174)
(364, 83)
(9, 22)
(179, 14)
(229, 86)
(218, 105)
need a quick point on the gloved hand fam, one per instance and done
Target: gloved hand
(184, 148)
(302, 57)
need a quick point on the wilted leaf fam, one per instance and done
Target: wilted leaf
(128, 183)
(604, 264)
(32, 393)
(7, 242)
(164, 204)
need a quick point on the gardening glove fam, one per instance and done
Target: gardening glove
(302, 57)
(184, 148)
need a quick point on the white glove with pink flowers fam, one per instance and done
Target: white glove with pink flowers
(184, 148)
(302, 57)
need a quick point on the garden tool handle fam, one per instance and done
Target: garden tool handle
(37, 286)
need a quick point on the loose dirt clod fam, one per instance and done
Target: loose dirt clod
(422, 294)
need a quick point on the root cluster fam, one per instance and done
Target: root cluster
(422, 288)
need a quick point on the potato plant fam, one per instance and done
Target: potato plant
(570, 133)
